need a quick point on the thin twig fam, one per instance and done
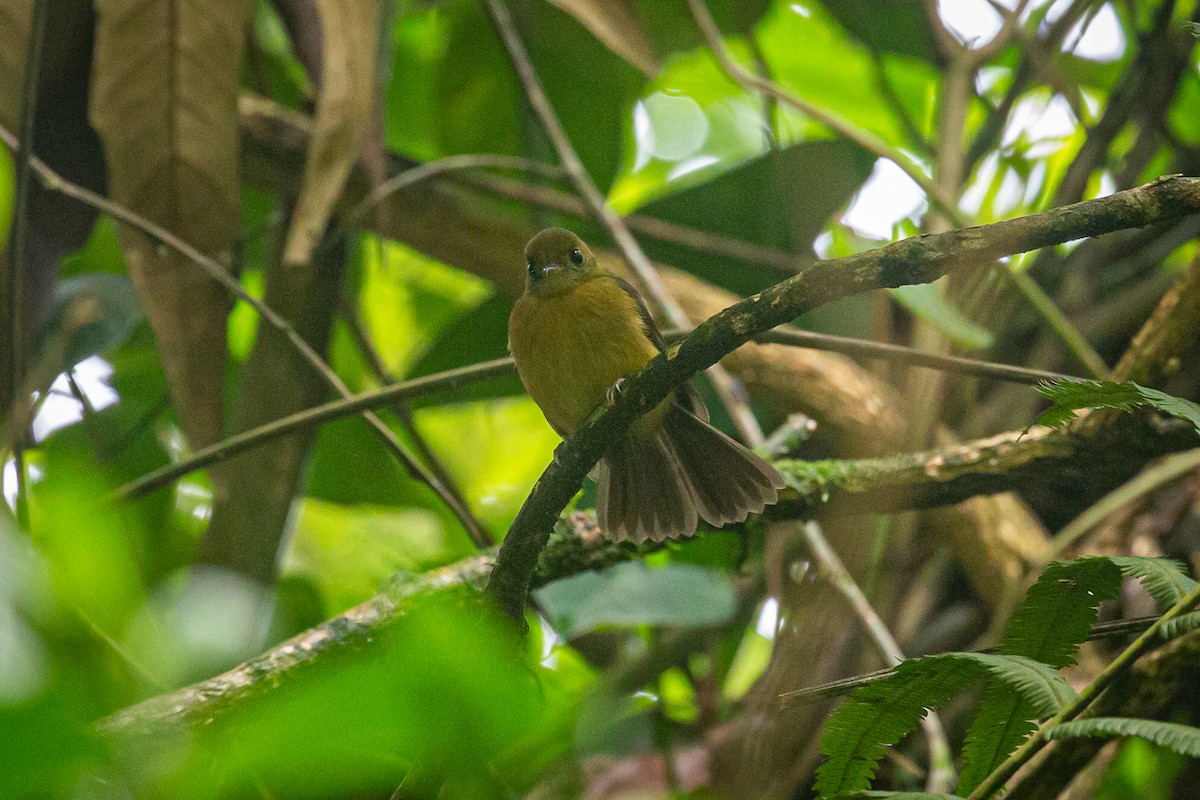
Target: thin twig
(56, 182)
(1165, 471)
(663, 230)
(996, 780)
(431, 169)
(941, 775)
(755, 83)
(316, 415)
(910, 356)
(463, 376)
(14, 401)
(644, 272)
(402, 408)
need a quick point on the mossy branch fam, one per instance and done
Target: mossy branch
(919, 259)
(1006, 462)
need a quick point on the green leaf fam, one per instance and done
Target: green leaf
(1163, 578)
(928, 302)
(1182, 739)
(629, 594)
(1181, 625)
(881, 713)
(1067, 396)
(1056, 616)
(903, 29)
(1059, 610)
(1053, 620)
(781, 200)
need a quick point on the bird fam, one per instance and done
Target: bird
(575, 334)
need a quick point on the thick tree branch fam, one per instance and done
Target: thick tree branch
(1004, 463)
(917, 260)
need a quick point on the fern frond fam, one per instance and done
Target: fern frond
(1182, 739)
(1068, 396)
(1181, 625)
(1059, 610)
(1054, 619)
(881, 713)
(1163, 578)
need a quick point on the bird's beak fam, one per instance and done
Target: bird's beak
(546, 270)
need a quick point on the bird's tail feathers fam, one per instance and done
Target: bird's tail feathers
(728, 482)
(655, 487)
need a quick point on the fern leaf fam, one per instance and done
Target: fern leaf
(1059, 610)
(1182, 739)
(1181, 625)
(1163, 578)
(881, 713)
(1054, 619)
(1068, 396)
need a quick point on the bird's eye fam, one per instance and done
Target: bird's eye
(532, 267)
(576, 257)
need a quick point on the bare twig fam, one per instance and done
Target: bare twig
(463, 376)
(366, 348)
(941, 759)
(246, 440)
(56, 182)
(909, 356)
(644, 272)
(431, 169)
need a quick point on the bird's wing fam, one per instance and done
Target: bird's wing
(686, 396)
(648, 326)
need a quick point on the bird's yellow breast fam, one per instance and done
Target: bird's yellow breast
(572, 346)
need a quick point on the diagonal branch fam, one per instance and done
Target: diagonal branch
(916, 260)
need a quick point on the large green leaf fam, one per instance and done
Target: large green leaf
(477, 94)
(679, 595)
(781, 200)
(890, 26)
(1053, 620)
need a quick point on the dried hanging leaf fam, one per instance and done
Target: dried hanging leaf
(164, 100)
(349, 41)
(615, 24)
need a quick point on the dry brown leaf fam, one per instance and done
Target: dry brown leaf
(346, 101)
(615, 24)
(164, 100)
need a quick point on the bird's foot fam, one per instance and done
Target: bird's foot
(610, 397)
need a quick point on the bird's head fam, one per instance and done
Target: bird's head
(557, 260)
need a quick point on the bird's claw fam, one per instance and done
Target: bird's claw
(610, 397)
